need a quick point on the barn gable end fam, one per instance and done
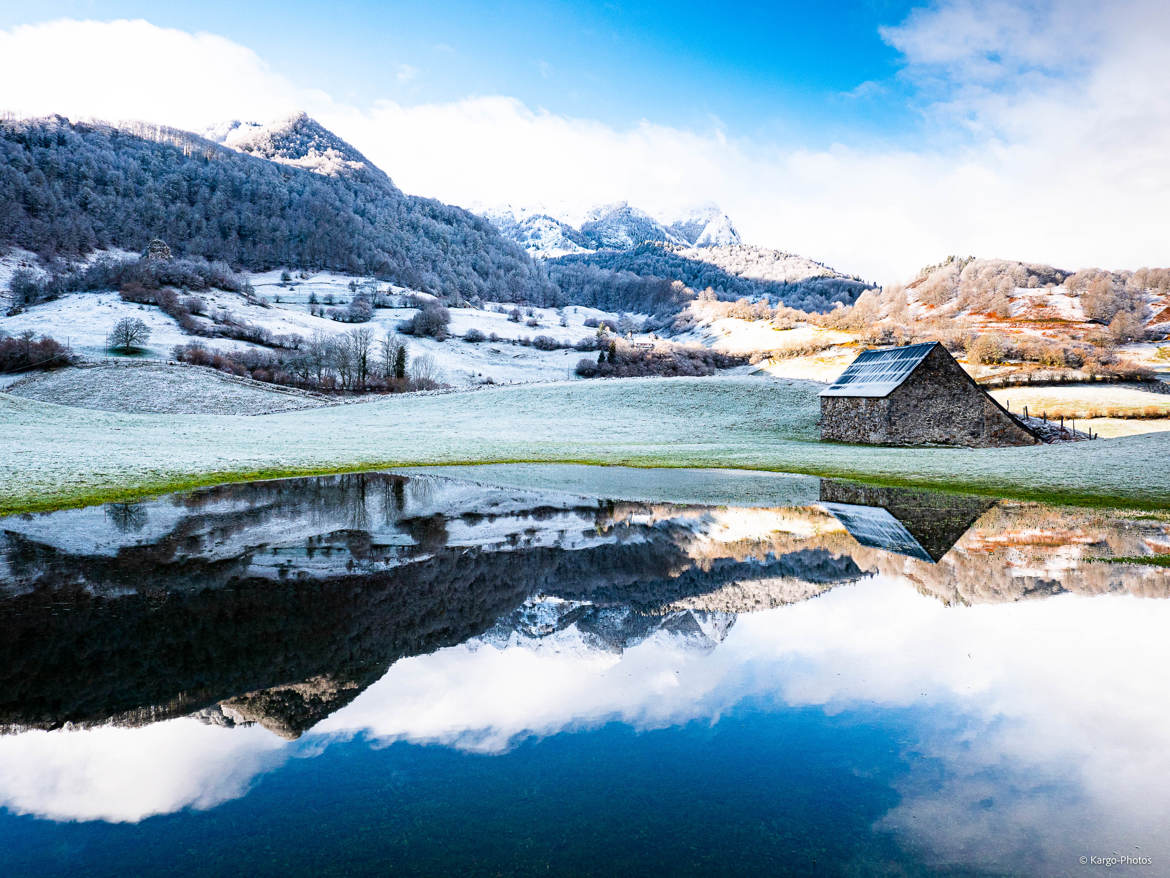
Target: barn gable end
(916, 395)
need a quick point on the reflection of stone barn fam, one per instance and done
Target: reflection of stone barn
(915, 395)
(920, 524)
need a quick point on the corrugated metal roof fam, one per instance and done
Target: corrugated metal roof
(877, 528)
(878, 372)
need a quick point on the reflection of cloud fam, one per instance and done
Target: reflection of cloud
(120, 774)
(1041, 728)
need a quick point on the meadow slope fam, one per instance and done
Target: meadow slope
(57, 455)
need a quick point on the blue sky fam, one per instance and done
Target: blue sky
(777, 70)
(876, 136)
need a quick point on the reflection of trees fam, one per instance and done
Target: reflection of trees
(290, 650)
(126, 517)
(219, 612)
(1019, 551)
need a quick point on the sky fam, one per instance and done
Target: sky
(877, 136)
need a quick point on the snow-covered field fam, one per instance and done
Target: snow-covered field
(57, 455)
(1111, 428)
(1109, 410)
(83, 320)
(735, 335)
(161, 388)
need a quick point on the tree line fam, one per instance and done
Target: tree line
(355, 362)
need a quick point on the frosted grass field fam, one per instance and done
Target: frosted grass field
(162, 389)
(57, 455)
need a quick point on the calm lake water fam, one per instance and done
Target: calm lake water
(527, 674)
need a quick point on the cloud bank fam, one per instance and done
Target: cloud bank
(1045, 127)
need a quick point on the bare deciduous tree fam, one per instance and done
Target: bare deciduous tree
(424, 370)
(129, 334)
(391, 348)
(360, 343)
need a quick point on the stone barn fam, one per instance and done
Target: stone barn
(915, 395)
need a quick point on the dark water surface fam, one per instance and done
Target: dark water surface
(420, 674)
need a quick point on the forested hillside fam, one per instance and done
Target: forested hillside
(67, 189)
(641, 278)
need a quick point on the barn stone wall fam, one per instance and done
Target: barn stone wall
(936, 405)
(855, 419)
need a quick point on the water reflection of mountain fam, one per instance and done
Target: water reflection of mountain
(279, 602)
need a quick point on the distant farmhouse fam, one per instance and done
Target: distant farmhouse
(915, 395)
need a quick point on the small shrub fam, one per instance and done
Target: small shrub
(586, 368)
(431, 320)
(25, 353)
(25, 286)
(986, 349)
(360, 310)
(474, 336)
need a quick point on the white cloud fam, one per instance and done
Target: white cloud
(126, 775)
(1050, 125)
(406, 73)
(129, 70)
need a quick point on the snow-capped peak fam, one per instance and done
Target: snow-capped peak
(619, 226)
(300, 141)
(540, 233)
(705, 226)
(549, 232)
(719, 232)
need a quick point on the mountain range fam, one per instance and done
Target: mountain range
(619, 257)
(617, 226)
(292, 194)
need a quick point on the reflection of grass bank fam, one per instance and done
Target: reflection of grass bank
(1144, 560)
(56, 456)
